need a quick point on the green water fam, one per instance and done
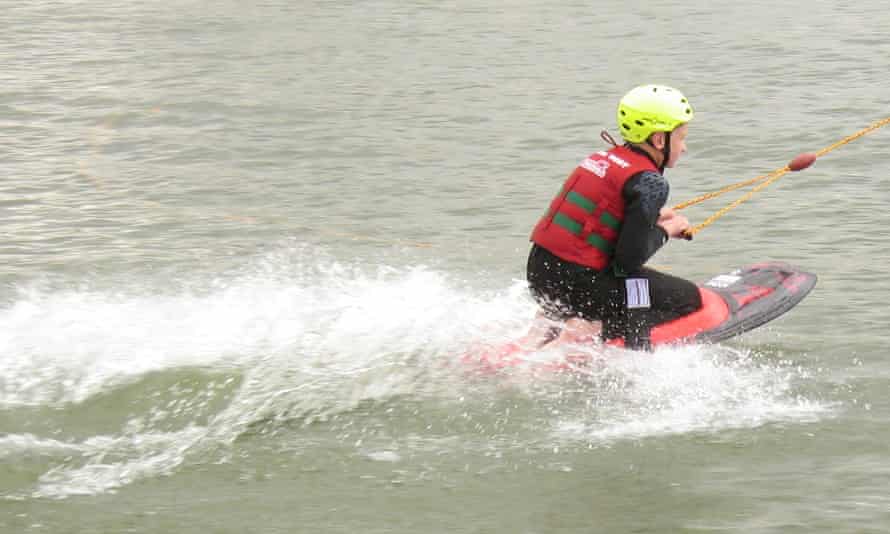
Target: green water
(245, 246)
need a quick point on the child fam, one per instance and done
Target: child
(586, 264)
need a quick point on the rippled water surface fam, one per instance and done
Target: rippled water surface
(245, 246)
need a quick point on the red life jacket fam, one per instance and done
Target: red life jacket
(584, 219)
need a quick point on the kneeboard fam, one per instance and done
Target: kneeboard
(732, 303)
(736, 302)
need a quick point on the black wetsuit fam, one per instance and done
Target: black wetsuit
(565, 289)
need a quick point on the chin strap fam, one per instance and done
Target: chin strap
(665, 152)
(607, 137)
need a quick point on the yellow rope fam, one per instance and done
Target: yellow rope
(726, 189)
(857, 135)
(765, 180)
(775, 175)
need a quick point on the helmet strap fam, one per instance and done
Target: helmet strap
(666, 152)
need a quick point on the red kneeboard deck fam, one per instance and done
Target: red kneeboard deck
(732, 303)
(736, 302)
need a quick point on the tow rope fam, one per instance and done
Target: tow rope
(800, 162)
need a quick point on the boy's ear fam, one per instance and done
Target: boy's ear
(657, 140)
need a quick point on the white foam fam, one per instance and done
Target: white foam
(697, 388)
(109, 462)
(31, 445)
(311, 341)
(66, 346)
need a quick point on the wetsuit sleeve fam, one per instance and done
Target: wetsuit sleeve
(644, 196)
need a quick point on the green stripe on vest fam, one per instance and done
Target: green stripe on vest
(581, 201)
(600, 243)
(568, 223)
(609, 220)
(574, 227)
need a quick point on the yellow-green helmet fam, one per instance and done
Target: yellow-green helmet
(651, 108)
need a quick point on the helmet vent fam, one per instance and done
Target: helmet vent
(625, 126)
(639, 123)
